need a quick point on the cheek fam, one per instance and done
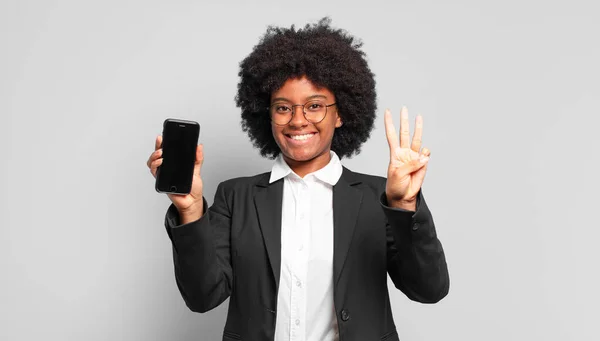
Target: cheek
(328, 129)
(277, 135)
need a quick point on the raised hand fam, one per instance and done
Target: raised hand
(190, 206)
(408, 163)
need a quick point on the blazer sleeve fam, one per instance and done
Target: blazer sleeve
(201, 254)
(415, 257)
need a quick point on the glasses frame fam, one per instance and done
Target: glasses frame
(303, 112)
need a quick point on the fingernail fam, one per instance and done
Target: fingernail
(424, 159)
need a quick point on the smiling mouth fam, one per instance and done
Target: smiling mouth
(302, 137)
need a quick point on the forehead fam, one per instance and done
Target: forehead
(299, 89)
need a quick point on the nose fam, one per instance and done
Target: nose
(298, 119)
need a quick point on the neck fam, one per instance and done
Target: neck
(302, 168)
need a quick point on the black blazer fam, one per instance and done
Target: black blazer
(234, 251)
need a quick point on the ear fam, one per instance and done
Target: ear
(338, 121)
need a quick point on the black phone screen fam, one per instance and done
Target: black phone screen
(180, 139)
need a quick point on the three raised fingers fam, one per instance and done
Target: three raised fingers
(392, 138)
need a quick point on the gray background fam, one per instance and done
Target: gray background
(509, 91)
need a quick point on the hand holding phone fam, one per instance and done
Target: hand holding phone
(176, 163)
(180, 139)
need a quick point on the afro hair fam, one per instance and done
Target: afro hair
(329, 58)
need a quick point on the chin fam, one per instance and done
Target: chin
(300, 155)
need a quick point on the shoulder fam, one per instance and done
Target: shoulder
(366, 181)
(245, 182)
(240, 188)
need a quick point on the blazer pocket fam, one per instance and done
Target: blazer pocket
(393, 335)
(231, 336)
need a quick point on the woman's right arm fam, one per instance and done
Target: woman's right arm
(200, 239)
(201, 254)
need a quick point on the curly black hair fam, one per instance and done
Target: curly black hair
(329, 58)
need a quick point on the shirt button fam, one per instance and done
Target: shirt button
(301, 248)
(301, 215)
(298, 284)
(297, 322)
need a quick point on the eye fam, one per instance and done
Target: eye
(315, 106)
(282, 109)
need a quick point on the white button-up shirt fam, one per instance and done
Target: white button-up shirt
(305, 309)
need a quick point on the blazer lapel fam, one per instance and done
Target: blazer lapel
(346, 205)
(268, 201)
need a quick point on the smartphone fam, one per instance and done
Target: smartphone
(179, 143)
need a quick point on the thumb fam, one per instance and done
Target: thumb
(199, 159)
(419, 175)
(414, 165)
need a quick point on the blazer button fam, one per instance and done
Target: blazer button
(345, 315)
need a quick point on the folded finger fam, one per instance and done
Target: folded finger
(199, 159)
(155, 155)
(154, 166)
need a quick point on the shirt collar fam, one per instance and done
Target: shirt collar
(330, 174)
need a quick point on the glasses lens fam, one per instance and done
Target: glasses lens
(281, 113)
(315, 111)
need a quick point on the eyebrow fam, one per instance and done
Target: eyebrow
(283, 99)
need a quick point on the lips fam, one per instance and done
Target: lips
(299, 138)
(302, 137)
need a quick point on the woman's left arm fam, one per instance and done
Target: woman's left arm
(416, 260)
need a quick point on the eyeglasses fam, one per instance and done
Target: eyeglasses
(314, 112)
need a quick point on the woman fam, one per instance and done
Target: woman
(304, 251)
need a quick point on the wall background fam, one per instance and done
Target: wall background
(509, 92)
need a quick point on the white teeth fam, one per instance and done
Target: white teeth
(301, 137)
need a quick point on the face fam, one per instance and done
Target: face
(304, 144)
